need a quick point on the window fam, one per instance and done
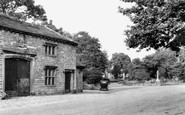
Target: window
(50, 49)
(50, 75)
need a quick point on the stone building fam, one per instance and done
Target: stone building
(79, 74)
(36, 60)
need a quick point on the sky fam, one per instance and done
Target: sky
(100, 18)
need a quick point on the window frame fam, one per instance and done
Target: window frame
(50, 75)
(50, 49)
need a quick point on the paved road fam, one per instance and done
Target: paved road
(124, 100)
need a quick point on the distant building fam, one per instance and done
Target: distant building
(36, 60)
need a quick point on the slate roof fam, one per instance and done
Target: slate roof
(34, 30)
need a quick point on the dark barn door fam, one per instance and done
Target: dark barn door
(67, 82)
(17, 76)
(10, 75)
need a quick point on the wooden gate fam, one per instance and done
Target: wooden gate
(17, 76)
(67, 82)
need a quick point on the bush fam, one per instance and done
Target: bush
(139, 75)
(92, 76)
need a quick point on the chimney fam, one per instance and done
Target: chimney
(50, 22)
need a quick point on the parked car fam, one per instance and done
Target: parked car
(104, 84)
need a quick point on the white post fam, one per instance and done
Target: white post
(158, 80)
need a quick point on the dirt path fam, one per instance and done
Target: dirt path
(151, 100)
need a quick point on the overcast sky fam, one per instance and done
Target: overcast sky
(100, 18)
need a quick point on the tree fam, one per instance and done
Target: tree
(136, 61)
(137, 71)
(156, 23)
(22, 9)
(181, 56)
(116, 71)
(91, 56)
(67, 34)
(178, 70)
(120, 62)
(92, 75)
(161, 60)
(140, 74)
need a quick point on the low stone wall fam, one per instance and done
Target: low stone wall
(91, 87)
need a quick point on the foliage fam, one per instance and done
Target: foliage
(90, 54)
(136, 61)
(156, 23)
(178, 70)
(66, 34)
(116, 71)
(92, 76)
(22, 9)
(137, 71)
(163, 60)
(120, 62)
(181, 56)
(140, 74)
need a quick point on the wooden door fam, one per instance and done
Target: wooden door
(10, 75)
(67, 82)
(23, 74)
(17, 76)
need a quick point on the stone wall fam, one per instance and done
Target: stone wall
(1, 75)
(2, 94)
(65, 59)
(1, 72)
(79, 75)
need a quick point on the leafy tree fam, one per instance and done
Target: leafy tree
(178, 70)
(130, 70)
(136, 61)
(90, 55)
(92, 75)
(67, 34)
(120, 62)
(181, 57)
(140, 74)
(116, 71)
(156, 23)
(151, 65)
(22, 9)
(161, 60)
(137, 71)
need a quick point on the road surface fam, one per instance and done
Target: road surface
(119, 100)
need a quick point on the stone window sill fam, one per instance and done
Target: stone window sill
(53, 56)
(50, 85)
